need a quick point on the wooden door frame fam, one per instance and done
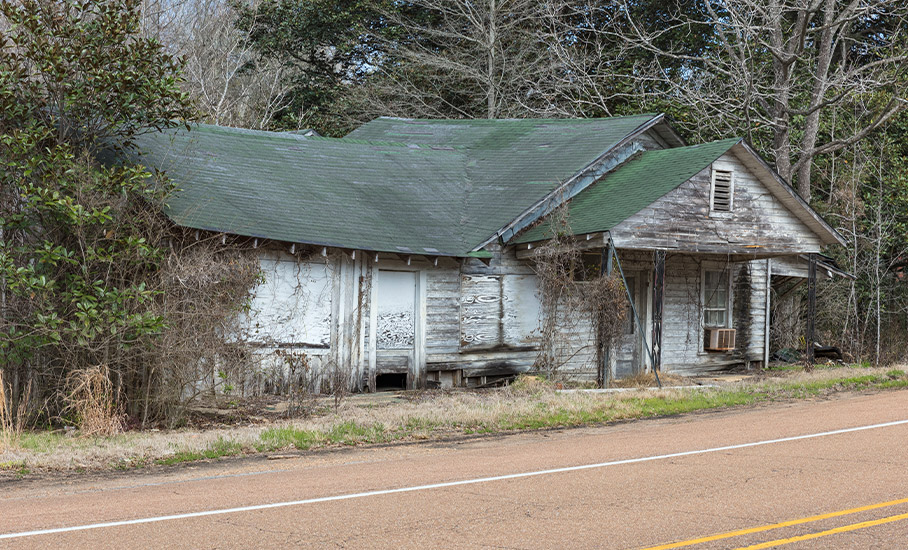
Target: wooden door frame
(416, 375)
(642, 288)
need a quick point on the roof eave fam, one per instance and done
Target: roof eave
(329, 244)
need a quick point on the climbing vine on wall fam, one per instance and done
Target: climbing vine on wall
(574, 293)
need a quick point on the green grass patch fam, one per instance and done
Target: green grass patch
(41, 442)
(344, 433)
(273, 439)
(608, 410)
(14, 465)
(220, 448)
(531, 406)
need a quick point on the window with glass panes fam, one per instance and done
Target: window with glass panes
(715, 299)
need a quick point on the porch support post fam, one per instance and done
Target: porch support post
(658, 301)
(604, 371)
(811, 306)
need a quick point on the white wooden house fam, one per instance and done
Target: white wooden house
(403, 254)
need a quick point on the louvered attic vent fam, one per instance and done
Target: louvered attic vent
(723, 190)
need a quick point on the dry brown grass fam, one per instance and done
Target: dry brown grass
(532, 403)
(92, 398)
(12, 422)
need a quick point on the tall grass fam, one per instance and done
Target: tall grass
(12, 420)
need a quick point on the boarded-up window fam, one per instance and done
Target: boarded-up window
(292, 304)
(498, 310)
(522, 308)
(722, 191)
(480, 310)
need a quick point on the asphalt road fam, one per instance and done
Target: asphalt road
(827, 474)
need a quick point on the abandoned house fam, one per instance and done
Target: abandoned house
(404, 252)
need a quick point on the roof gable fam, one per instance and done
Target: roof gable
(787, 196)
(632, 187)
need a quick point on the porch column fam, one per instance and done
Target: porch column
(658, 300)
(604, 371)
(811, 306)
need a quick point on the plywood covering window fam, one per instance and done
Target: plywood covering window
(499, 310)
(715, 299)
(722, 194)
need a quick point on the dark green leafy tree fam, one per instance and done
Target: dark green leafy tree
(325, 46)
(77, 237)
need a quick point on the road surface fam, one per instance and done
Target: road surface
(822, 474)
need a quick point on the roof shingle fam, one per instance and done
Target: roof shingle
(433, 187)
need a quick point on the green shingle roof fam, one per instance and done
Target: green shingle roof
(394, 185)
(632, 187)
(510, 164)
(332, 192)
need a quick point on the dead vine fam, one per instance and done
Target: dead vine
(94, 402)
(580, 302)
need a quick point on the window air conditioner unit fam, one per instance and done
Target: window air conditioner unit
(720, 339)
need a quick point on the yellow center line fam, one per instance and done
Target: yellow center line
(770, 527)
(843, 529)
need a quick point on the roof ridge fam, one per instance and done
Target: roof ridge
(729, 141)
(514, 119)
(578, 182)
(296, 137)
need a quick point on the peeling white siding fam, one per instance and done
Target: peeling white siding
(293, 303)
(681, 220)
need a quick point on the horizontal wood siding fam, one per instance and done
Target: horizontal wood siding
(681, 314)
(682, 331)
(681, 220)
(495, 304)
(756, 341)
(443, 310)
(575, 348)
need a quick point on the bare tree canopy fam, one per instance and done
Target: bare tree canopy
(231, 84)
(483, 59)
(775, 70)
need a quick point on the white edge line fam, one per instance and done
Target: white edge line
(438, 485)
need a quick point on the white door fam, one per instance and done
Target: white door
(395, 328)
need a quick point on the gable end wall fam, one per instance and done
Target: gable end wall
(681, 220)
